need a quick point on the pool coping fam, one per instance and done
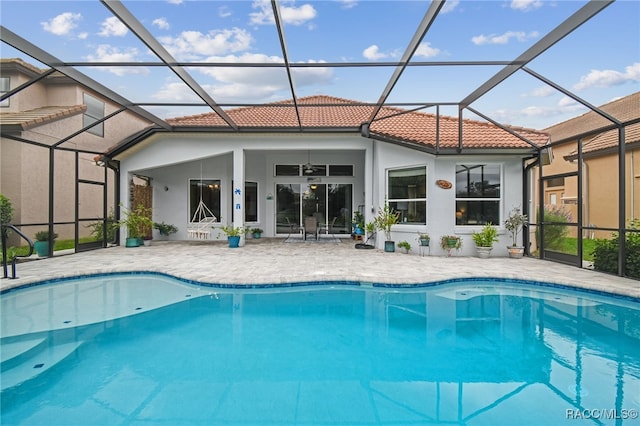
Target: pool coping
(329, 283)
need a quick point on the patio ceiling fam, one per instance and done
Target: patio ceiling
(289, 68)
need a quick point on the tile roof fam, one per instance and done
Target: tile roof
(23, 120)
(623, 109)
(335, 113)
(609, 140)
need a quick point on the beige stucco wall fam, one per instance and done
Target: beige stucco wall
(602, 189)
(24, 173)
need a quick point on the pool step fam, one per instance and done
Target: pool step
(11, 350)
(34, 361)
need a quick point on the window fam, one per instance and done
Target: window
(313, 170)
(208, 191)
(478, 194)
(407, 194)
(94, 112)
(287, 170)
(340, 170)
(251, 201)
(555, 182)
(4, 88)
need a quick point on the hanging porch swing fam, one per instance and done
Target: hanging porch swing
(203, 218)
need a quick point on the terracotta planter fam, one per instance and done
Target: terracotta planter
(515, 252)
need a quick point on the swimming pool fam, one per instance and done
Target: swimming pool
(148, 349)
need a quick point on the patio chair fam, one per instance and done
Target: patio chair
(293, 228)
(310, 226)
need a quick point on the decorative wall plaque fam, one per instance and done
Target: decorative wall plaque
(444, 184)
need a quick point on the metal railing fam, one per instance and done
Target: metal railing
(5, 232)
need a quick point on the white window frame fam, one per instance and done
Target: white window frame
(401, 200)
(6, 102)
(90, 117)
(499, 199)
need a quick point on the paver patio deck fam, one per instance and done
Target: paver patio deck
(272, 261)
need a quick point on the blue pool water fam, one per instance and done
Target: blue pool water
(148, 350)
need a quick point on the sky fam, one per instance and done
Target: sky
(599, 62)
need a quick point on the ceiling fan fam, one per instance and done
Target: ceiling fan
(309, 168)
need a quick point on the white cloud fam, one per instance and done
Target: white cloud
(608, 78)
(542, 115)
(290, 14)
(193, 45)
(175, 1)
(62, 24)
(348, 4)
(224, 12)
(449, 6)
(504, 38)
(161, 23)
(373, 53)
(108, 53)
(425, 50)
(247, 84)
(112, 26)
(540, 92)
(176, 91)
(526, 5)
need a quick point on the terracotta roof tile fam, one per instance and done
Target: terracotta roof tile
(336, 113)
(623, 109)
(609, 139)
(24, 120)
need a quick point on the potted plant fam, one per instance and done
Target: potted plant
(256, 233)
(405, 246)
(136, 221)
(233, 234)
(358, 226)
(450, 242)
(386, 218)
(370, 230)
(424, 239)
(165, 229)
(513, 224)
(484, 240)
(42, 243)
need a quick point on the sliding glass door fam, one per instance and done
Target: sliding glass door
(330, 204)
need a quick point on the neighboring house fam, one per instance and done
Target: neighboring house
(599, 169)
(276, 170)
(44, 115)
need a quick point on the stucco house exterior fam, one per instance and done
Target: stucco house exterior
(41, 119)
(272, 174)
(599, 167)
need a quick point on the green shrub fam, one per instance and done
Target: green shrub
(6, 210)
(112, 227)
(605, 253)
(554, 234)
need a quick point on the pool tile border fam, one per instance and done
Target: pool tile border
(345, 283)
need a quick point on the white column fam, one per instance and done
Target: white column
(370, 210)
(238, 190)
